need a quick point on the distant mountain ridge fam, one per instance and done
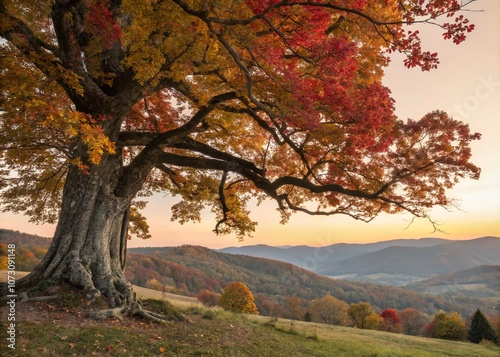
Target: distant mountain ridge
(393, 262)
(301, 255)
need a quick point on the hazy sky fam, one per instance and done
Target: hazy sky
(466, 85)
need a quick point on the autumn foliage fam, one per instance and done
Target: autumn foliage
(236, 297)
(287, 94)
(363, 316)
(329, 310)
(447, 326)
(208, 297)
(216, 103)
(390, 321)
(413, 321)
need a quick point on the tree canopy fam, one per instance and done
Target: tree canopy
(363, 316)
(447, 327)
(329, 310)
(218, 102)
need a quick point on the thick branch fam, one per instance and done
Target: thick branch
(191, 144)
(136, 172)
(219, 165)
(273, 188)
(222, 198)
(18, 27)
(135, 138)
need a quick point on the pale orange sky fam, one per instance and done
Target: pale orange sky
(466, 85)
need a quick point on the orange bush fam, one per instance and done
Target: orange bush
(237, 297)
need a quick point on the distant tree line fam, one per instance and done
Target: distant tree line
(237, 297)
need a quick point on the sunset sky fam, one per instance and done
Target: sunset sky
(466, 85)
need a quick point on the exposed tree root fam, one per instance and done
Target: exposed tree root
(120, 312)
(152, 316)
(108, 313)
(125, 303)
(24, 298)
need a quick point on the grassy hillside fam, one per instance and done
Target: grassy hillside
(61, 328)
(224, 336)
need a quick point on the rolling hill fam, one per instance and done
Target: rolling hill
(395, 262)
(190, 269)
(194, 268)
(312, 258)
(478, 282)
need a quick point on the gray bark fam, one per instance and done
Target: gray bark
(89, 243)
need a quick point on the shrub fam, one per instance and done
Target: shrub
(236, 297)
(208, 298)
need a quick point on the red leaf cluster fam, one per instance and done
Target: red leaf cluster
(100, 23)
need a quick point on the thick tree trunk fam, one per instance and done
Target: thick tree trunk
(88, 248)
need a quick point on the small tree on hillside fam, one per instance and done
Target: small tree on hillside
(390, 321)
(329, 310)
(293, 305)
(208, 297)
(236, 297)
(413, 321)
(268, 307)
(480, 329)
(155, 285)
(447, 327)
(363, 315)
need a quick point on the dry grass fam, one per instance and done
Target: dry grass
(62, 328)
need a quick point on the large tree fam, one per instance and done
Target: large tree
(215, 102)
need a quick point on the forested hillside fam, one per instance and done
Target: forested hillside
(30, 249)
(190, 269)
